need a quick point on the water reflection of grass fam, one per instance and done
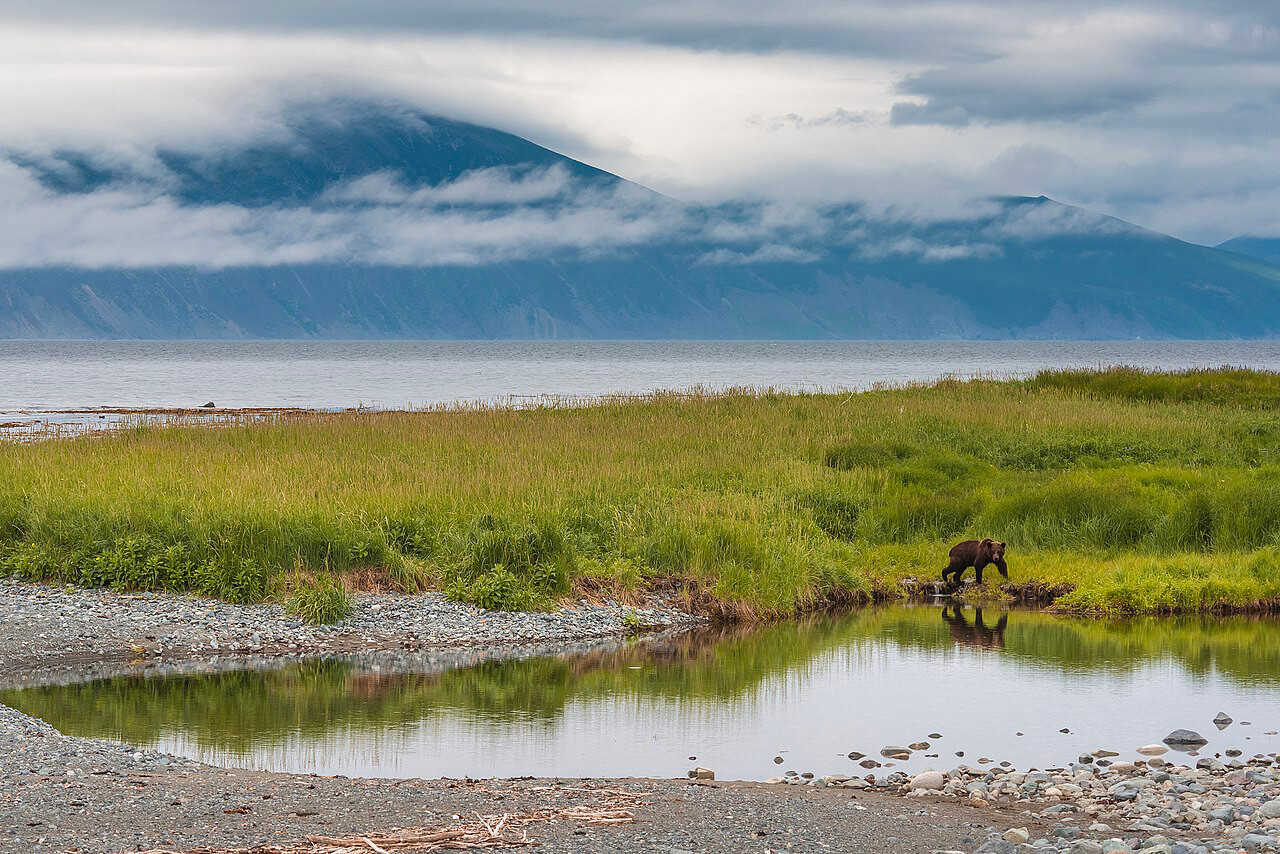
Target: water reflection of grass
(1243, 648)
(241, 711)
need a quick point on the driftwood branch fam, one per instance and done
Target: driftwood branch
(505, 830)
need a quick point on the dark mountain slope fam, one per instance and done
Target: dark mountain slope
(1021, 268)
(1263, 248)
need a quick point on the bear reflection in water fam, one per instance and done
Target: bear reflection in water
(976, 633)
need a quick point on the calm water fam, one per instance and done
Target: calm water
(809, 691)
(84, 374)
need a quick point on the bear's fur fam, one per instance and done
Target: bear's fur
(977, 554)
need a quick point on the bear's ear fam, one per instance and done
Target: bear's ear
(986, 541)
(1002, 545)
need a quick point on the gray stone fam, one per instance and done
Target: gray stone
(927, 781)
(996, 846)
(1185, 737)
(1085, 846)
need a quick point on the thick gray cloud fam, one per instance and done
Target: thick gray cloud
(1160, 111)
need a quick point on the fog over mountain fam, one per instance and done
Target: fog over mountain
(368, 218)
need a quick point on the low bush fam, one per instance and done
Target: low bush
(318, 598)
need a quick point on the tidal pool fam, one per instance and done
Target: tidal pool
(809, 691)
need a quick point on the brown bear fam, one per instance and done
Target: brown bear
(976, 554)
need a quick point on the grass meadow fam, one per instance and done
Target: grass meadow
(1120, 490)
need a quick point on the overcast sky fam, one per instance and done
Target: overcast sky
(1163, 113)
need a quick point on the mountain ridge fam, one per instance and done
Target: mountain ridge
(576, 252)
(1265, 249)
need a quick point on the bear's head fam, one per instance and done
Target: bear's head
(993, 550)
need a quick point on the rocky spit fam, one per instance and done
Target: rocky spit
(44, 628)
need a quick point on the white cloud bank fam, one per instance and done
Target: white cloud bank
(1163, 112)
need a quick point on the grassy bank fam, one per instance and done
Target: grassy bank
(1139, 492)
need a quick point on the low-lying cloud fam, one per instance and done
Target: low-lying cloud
(485, 216)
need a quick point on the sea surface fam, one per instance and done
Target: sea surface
(1024, 687)
(81, 375)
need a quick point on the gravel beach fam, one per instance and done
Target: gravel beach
(45, 628)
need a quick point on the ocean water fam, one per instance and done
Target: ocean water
(79, 375)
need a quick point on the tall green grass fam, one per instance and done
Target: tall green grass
(1142, 492)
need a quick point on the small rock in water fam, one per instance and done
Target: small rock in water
(919, 745)
(693, 758)
(959, 753)
(1185, 737)
(935, 735)
(1101, 753)
(209, 405)
(869, 763)
(892, 752)
(1222, 720)
(777, 760)
(1153, 750)
(855, 755)
(702, 774)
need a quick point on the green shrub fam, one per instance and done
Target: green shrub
(318, 599)
(498, 589)
(511, 564)
(233, 577)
